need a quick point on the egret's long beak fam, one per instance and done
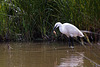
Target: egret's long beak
(54, 28)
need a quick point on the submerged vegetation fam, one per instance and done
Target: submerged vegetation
(34, 19)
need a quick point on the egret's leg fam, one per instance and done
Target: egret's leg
(69, 41)
(72, 41)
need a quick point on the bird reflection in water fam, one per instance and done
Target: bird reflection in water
(72, 61)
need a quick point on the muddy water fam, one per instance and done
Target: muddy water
(48, 55)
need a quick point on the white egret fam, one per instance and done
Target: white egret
(69, 30)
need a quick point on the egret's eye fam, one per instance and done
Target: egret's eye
(56, 26)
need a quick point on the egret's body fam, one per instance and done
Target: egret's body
(68, 29)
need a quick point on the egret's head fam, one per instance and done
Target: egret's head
(58, 24)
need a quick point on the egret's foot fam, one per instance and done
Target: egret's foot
(72, 47)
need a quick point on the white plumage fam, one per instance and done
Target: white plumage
(69, 30)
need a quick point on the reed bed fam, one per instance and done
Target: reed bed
(34, 19)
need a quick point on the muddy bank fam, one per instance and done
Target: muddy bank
(92, 36)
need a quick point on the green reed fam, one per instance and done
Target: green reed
(34, 19)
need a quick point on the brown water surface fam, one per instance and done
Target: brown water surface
(48, 55)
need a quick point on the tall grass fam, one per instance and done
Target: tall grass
(34, 19)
